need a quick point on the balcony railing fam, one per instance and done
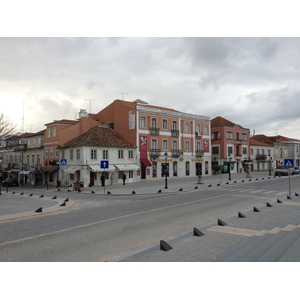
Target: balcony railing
(261, 157)
(154, 152)
(174, 132)
(176, 152)
(154, 130)
(199, 153)
(198, 135)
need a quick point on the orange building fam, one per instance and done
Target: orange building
(58, 133)
(230, 142)
(168, 141)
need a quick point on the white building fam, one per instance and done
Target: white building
(83, 155)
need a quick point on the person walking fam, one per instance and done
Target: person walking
(102, 180)
(124, 178)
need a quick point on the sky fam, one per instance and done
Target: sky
(251, 80)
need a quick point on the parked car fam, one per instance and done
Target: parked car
(10, 182)
(281, 171)
(296, 170)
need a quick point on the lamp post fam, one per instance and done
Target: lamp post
(229, 166)
(270, 160)
(166, 173)
(1, 176)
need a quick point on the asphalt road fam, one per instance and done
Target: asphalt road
(103, 228)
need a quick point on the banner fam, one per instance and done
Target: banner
(143, 146)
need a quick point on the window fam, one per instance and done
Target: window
(230, 150)
(186, 127)
(78, 154)
(215, 150)
(51, 152)
(205, 129)
(174, 144)
(71, 154)
(62, 153)
(165, 124)
(215, 135)
(154, 143)
(229, 135)
(105, 154)
(48, 133)
(165, 144)
(120, 154)
(174, 125)
(198, 146)
(244, 150)
(197, 127)
(244, 137)
(130, 154)
(56, 152)
(32, 158)
(93, 154)
(38, 159)
(142, 122)
(251, 151)
(46, 153)
(130, 174)
(54, 132)
(187, 145)
(154, 123)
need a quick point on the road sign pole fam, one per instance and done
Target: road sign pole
(290, 195)
(104, 181)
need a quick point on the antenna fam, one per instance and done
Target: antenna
(30, 127)
(276, 131)
(122, 94)
(90, 103)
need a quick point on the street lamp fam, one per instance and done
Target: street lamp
(166, 173)
(229, 166)
(270, 160)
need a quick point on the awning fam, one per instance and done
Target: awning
(96, 168)
(71, 170)
(24, 172)
(127, 167)
(146, 162)
(49, 169)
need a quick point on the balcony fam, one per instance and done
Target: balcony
(154, 130)
(174, 132)
(198, 135)
(261, 157)
(154, 153)
(199, 153)
(176, 152)
(238, 142)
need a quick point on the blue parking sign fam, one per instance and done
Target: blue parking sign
(104, 164)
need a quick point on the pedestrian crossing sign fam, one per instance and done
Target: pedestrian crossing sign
(288, 163)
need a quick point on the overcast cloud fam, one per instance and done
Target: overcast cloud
(253, 82)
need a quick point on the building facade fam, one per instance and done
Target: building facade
(168, 142)
(230, 146)
(85, 155)
(262, 153)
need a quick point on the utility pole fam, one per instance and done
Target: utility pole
(90, 103)
(122, 94)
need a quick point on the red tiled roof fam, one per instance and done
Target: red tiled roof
(262, 139)
(99, 136)
(281, 138)
(221, 122)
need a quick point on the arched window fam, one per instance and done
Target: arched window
(187, 168)
(175, 168)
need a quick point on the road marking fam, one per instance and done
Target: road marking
(112, 219)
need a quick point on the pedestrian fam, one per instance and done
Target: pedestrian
(124, 178)
(102, 180)
(79, 188)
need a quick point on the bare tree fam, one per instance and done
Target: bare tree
(6, 126)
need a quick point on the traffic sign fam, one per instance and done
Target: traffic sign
(32, 167)
(104, 164)
(63, 161)
(288, 163)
